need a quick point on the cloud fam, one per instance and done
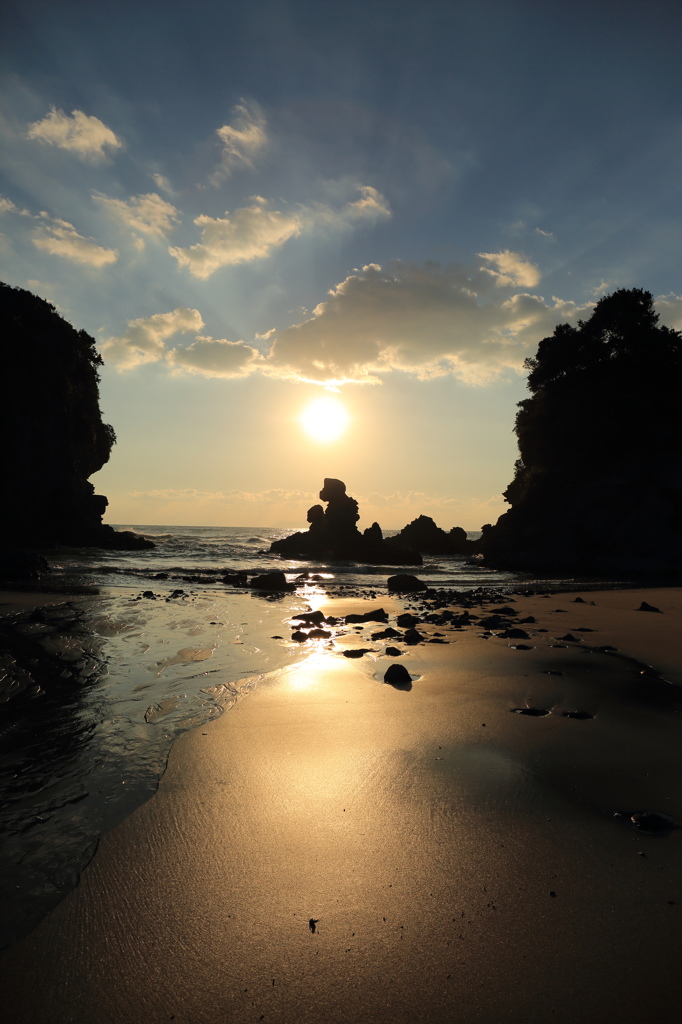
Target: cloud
(241, 140)
(79, 133)
(273, 495)
(60, 238)
(144, 341)
(424, 320)
(254, 232)
(162, 182)
(215, 358)
(251, 233)
(149, 214)
(6, 205)
(513, 269)
(545, 234)
(669, 308)
(370, 206)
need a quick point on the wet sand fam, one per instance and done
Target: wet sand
(461, 862)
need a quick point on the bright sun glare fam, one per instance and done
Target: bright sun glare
(324, 419)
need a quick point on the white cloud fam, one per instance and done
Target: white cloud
(6, 205)
(144, 341)
(241, 140)
(253, 232)
(215, 358)
(370, 206)
(60, 238)
(545, 234)
(149, 214)
(249, 234)
(162, 182)
(426, 320)
(513, 269)
(601, 288)
(79, 133)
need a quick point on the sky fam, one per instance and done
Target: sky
(388, 204)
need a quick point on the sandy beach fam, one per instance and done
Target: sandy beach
(337, 849)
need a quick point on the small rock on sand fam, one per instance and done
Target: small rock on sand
(396, 674)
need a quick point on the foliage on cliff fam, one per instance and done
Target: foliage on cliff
(599, 481)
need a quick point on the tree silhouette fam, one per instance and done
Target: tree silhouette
(600, 442)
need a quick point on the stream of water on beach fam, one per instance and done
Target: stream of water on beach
(135, 649)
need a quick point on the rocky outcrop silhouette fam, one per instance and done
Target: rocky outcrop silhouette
(333, 534)
(424, 536)
(598, 486)
(52, 438)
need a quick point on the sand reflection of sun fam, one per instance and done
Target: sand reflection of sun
(324, 419)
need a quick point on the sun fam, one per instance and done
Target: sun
(324, 419)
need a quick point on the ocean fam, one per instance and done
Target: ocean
(203, 554)
(128, 651)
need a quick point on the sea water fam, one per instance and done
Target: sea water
(206, 553)
(136, 648)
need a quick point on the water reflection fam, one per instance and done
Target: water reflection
(93, 692)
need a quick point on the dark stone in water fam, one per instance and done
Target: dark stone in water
(644, 607)
(299, 636)
(356, 652)
(235, 579)
(580, 715)
(377, 615)
(272, 581)
(393, 652)
(316, 617)
(404, 583)
(531, 712)
(412, 636)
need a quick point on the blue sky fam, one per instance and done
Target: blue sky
(247, 202)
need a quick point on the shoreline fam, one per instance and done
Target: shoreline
(453, 866)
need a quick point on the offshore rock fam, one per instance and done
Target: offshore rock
(424, 536)
(333, 534)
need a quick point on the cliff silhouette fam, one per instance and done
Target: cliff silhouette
(52, 438)
(598, 485)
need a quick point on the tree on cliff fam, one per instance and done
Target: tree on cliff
(52, 437)
(599, 480)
